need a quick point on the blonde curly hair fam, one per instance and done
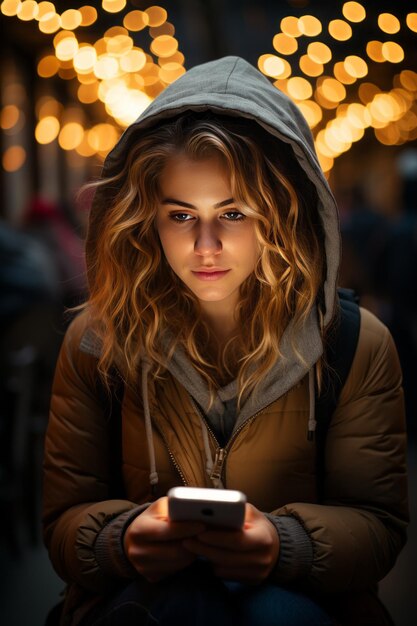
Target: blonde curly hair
(137, 302)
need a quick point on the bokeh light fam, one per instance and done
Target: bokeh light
(388, 23)
(354, 11)
(13, 158)
(340, 30)
(136, 20)
(284, 44)
(47, 130)
(309, 25)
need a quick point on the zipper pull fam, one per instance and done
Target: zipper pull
(216, 472)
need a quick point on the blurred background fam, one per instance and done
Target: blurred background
(73, 75)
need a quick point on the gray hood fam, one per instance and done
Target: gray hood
(234, 87)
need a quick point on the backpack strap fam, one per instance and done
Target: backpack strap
(340, 350)
(112, 401)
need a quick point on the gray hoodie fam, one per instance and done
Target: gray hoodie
(234, 87)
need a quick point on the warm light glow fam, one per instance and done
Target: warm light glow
(323, 101)
(87, 94)
(106, 67)
(67, 73)
(389, 136)
(411, 21)
(27, 10)
(170, 72)
(355, 66)
(114, 31)
(374, 51)
(338, 137)
(319, 52)
(326, 163)
(358, 115)
(71, 136)
(388, 23)
(150, 74)
(10, 7)
(274, 66)
(9, 116)
(177, 57)
(48, 66)
(88, 15)
(127, 109)
(84, 149)
(299, 88)
(164, 46)
(44, 8)
(322, 147)
(102, 137)
(408, 79)
(156, 15)
(48, 106)
(342, 75)
(354, 12)
(289, 26)
(113, 6)
(340, 30)
(333, 90)
(47, 130)
(119, 45)
(63, 34)
(66, 49)
(136, 20)
(71, 19)
(134, 61)
(310, 67)
(311, 111)
(284, 44)
(382, 109)
(85, 59)
(367, 91)
(309, 25)
(49, 23)
(165, 29)
(13, 158)
(392, 52)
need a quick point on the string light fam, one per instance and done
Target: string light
(122, 78)
(340, 30)
(388, 23)
(353, 11)
(284, 44)
(13, 158)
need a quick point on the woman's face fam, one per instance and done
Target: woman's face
(200, 228)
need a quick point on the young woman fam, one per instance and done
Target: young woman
(212, 253)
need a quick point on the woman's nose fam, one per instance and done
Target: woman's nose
(207, 240)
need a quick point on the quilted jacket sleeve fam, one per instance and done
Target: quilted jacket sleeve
(360, 528)
(76, 470)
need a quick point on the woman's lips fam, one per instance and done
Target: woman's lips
(210, 275)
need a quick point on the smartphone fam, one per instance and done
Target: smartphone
(219, 507)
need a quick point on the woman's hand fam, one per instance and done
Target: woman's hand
(246, 555)
(155, 546)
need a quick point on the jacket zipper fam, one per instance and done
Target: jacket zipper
(221, 453)
(177, 467)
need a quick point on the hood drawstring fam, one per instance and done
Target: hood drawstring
(209, 458)
(312, 423)
(153, 476)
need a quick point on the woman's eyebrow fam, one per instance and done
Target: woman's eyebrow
(219, 205)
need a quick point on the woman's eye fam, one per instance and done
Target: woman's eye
(238, 216)
(177, 217)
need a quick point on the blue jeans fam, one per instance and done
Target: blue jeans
(194, 597)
